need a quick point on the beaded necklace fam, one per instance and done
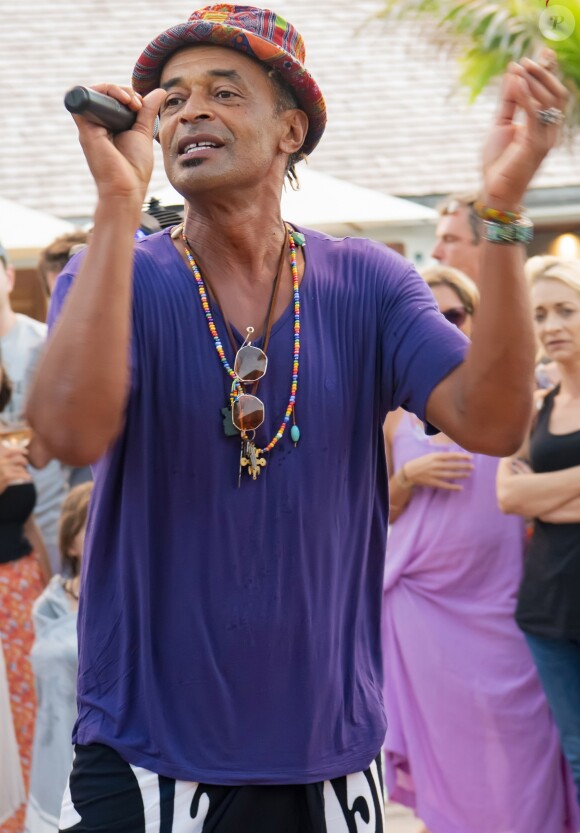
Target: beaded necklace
(292, 242)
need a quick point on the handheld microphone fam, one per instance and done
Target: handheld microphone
(100, 109)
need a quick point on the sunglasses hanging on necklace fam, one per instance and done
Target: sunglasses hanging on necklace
(246, 411)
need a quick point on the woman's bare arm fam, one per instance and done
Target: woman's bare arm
(533, 495)
(568, 513)
(400, 490)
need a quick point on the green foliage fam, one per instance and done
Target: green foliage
(485, 36)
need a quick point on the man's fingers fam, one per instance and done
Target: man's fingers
(531, 87)
(540, 93)
(151, 105)
(508, 95)
(125, 95)
(544, 78)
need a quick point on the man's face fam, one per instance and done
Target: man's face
(455, 245)
(6, 284)
(219, 124)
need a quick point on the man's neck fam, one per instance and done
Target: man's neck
(7, 320)
(240, 243)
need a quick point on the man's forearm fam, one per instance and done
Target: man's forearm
(77, 401)
(499, 368)
(485, 404)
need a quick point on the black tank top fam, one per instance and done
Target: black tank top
(16, 505)
(549, 595)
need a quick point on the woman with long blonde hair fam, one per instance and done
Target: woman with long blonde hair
(543, 483)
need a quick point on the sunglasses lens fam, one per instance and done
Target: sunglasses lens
(247, 412)
(456, 316)
(250, 364)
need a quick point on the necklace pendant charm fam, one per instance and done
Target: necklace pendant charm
(230, 429)
(251, 459)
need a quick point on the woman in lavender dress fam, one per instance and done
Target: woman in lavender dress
(471, 745)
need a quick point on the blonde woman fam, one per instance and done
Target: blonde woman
(543, 483)
(470, 744)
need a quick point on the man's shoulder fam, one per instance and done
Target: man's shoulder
(361, 248)
(149, 255)
(370, 263)
(154, 247)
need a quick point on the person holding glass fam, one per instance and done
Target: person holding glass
(470, 744)
(21, 343)
(24, 570)
(543, 482)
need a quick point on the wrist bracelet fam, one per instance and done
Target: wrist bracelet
(496, 215)
(403, 479)
(520, 231)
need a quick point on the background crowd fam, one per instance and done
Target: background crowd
(481, 613)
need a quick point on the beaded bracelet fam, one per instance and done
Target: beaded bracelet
(521, 231)
(495, 215)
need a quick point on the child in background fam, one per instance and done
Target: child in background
(54, 660)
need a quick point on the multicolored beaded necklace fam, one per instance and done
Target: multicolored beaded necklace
(294, 239)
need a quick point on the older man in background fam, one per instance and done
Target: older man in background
(459, 235)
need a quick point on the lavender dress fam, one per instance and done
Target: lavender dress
(471, 744)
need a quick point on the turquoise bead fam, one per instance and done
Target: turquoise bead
(299, 240)
(295, 433)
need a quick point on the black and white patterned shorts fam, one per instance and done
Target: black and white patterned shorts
(107, 795)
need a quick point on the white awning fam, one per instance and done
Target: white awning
(25, 231)
(325, 202)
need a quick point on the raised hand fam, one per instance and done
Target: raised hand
(121, 164)
(439, 470)
(516, 147)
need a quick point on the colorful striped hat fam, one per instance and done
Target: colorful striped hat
(260, 33)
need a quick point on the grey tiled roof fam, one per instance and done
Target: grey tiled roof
(393, 123)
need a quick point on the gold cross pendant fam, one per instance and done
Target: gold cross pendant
(250, 459)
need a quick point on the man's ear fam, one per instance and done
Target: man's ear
(296, 130)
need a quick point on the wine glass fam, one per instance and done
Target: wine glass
(16, 434)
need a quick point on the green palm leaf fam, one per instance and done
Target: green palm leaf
(485, 36)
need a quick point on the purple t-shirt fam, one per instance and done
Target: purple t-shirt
(232, 635)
